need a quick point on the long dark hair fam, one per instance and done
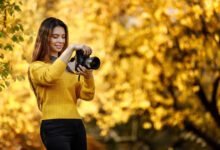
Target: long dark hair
(41, 49)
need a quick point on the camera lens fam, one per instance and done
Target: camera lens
(95, 63)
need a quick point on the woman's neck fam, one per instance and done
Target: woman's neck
(54, 55)
(52, 58)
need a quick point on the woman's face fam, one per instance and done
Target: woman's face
(57, 40)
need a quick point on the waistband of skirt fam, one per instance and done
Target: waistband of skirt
(62, 120)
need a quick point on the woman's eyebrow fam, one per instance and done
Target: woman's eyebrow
(58, 34)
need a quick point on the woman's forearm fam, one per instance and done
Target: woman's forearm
(65, 56)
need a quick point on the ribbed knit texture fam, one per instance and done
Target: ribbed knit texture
(59, 90)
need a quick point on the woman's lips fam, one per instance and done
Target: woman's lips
(58, 46)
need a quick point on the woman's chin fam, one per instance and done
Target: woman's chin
(59, 50)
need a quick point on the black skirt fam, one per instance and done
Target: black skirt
(65, 134)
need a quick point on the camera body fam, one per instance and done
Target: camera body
(86, 61)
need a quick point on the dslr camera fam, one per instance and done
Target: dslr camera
(86, 61)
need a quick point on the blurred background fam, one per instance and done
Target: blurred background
(156, 88)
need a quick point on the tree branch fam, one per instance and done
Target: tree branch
(191, 127)
(170, 88)
(215, 87)
(202, 96)
(208, 106)
(5, 17)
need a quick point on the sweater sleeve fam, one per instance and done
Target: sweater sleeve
(47, 74)
(86, 89)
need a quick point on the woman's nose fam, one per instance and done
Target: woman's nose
(60, 39)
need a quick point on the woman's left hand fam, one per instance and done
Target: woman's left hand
(87, 73)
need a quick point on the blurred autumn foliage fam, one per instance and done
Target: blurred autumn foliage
(160, 68)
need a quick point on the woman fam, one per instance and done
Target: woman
(57, 88)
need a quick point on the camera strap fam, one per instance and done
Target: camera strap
(78, 78)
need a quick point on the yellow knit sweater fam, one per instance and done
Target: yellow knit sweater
(59, 90)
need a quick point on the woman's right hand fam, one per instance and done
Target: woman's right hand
(86, 49)
(65, 56)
